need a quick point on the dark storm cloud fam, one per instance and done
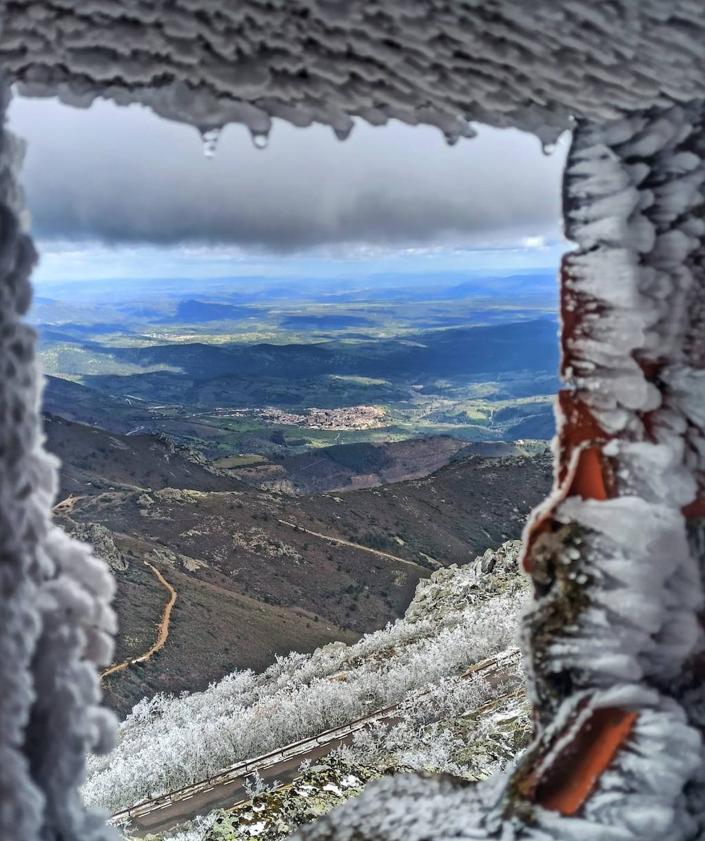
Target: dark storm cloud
(122, 175)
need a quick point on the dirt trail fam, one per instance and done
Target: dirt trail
(341, 542)
(162, 632)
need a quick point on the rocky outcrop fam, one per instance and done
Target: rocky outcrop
(101, 539)
(272, 815)
(453, 588)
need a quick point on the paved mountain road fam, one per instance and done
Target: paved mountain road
(226, 788)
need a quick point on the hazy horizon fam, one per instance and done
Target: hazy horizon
(119, 193)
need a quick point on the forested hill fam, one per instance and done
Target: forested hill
(526, 345)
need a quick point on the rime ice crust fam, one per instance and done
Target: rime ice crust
(505, 62)
(55, 619)
(640, 181)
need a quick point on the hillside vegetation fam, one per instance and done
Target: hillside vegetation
(259, 573)
(231, 395)
(458, 617)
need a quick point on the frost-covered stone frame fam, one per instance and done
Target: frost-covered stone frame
(614, 641)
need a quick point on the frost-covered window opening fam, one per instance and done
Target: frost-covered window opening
(614, 642)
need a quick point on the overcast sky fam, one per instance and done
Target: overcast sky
(117, 191)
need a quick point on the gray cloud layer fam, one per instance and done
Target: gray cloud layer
(123, 175)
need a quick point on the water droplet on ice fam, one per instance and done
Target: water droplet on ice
(343, 132)
(260, 139)
(452, 137)
(210, 138)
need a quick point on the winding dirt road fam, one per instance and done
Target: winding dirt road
(162, 629)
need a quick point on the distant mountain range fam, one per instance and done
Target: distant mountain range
(123, 292)
(528, 346)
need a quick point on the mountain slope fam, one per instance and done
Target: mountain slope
(258, 573)
(75, 402)
(95, 460)
(247, 374)
(458, 618)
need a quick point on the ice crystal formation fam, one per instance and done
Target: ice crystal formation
(614, 641)
(505, 62)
